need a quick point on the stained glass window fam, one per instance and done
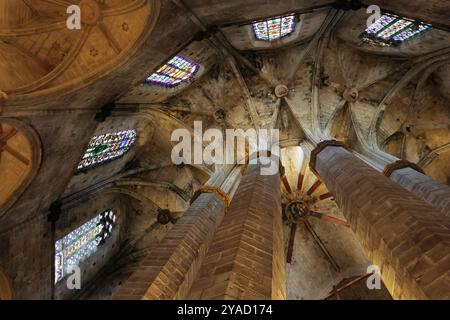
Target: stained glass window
(175, 71)
(393, 30)
(107, 147)
(82, 242)
(274, 28)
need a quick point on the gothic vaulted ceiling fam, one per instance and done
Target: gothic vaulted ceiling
(320, 81)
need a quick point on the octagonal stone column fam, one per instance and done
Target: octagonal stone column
(405, 236)
(412, 178)
(170, 268)
(246, 257)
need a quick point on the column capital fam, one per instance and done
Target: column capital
(400, 164)
(320, 146)
(218, 192)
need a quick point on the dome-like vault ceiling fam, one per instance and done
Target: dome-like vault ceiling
(40, 54)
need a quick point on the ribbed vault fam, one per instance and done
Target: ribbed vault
(385, 103)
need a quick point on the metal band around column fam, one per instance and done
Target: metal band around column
(400, 164)
(219, 193)
(320, 146)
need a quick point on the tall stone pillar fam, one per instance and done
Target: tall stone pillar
(405, 236)
(246, 257)
(412, 178)
(169, 269)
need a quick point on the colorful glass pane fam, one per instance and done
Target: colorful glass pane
(391, 30)
(175, 71)
(81, 243)
(381, 23)
(107, 147)
(274, 28)
(411, 32)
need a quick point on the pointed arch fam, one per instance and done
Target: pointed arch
(20, 160)
(395, 144)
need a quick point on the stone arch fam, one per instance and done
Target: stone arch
(5, 287)
(436, 163)
(20, 160)
(135, 194)
(394, 144)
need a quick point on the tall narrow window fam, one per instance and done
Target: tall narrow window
(174, 72)
(393, 30)
(107, 147)
(274, 28)
(82, 242)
